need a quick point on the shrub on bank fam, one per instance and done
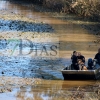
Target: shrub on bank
(55, 5)
(86, 8)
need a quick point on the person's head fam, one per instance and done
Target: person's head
(79, 54)
(75, 53)
(99, 50)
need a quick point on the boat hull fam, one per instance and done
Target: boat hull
(81, 74)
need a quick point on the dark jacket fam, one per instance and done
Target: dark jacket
(97, 57)
(74, 62)
(74, 59)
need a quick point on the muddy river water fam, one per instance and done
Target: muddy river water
(32, 71)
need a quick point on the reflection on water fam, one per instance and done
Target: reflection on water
(55, 90)
(49, 90)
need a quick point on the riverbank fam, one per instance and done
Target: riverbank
(88, 9)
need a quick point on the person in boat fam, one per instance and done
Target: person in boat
(97, 57)
(75, 60)
(81, 57)
(90, 63)
(81, 62)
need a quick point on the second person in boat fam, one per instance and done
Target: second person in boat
(74, 59)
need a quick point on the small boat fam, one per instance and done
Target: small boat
(71, 74)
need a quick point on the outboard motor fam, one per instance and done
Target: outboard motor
(90, 63)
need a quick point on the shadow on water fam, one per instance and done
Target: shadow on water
(16, 25)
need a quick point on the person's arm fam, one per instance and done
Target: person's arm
(83, 59)
(96, 57)
(71, 57)
(75, 60)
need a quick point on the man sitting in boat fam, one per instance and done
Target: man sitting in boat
(97, 57)
(81, 57)
(81, 61)
(74, 60)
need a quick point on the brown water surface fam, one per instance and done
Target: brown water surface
(68, 33)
